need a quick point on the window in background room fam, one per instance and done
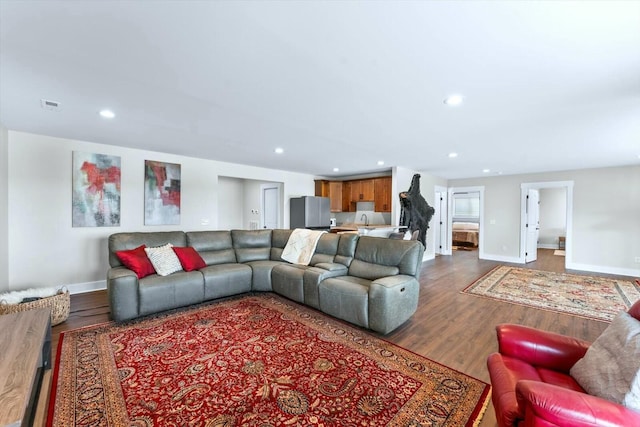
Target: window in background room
(466, 205)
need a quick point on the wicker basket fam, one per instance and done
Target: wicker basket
(59, 303)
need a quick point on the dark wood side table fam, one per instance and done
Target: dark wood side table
(25, 353)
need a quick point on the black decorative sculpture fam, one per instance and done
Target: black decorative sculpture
(416, 212)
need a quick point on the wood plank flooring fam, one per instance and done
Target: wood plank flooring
(454, 329)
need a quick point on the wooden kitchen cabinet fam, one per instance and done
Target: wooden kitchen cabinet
(355, 192)
(368, 190)
(382, 192)
(347, 206)
(333, 190)
(362, 190)
(335, 193)
(322, 188)
(345, 195)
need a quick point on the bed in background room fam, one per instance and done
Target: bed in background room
(465, 233)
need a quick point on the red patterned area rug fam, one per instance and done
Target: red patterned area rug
(598, 298)
(253, 361)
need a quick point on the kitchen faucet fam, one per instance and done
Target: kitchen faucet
(366, 219)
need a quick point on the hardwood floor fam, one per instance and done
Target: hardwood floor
(449, 327)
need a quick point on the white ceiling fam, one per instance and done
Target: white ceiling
(551, 85)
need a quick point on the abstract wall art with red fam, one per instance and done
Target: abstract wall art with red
(96, 190)
(161, 193)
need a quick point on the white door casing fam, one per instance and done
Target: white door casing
(532, 225)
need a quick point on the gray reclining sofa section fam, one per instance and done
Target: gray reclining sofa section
(369, 281)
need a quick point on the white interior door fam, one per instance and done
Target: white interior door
(270, 207)
(436, 224)
(532, 225)
(440, 222)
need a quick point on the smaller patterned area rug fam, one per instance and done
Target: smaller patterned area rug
(252, 361)
(598, 298)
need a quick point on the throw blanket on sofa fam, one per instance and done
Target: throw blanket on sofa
(301, 246)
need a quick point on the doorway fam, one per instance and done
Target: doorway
(553, 218)
(533, 226)
(270, 206)
(248, 204)
(465, 209)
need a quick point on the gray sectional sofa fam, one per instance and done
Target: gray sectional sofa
(369, 281)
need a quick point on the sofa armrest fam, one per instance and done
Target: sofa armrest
(122, 287)
(550, 405)
(392, 300)
(503, 396)
(314, 275)
(393, 281)
(540, 348)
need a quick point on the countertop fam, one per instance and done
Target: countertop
(356, 226)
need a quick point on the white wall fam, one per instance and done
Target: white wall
(43, 248)
(253, 202)
(553, 216)
(4, 210)
(231, 203)
(606, 208)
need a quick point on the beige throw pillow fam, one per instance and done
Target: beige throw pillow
(164, 259)
(610, 367)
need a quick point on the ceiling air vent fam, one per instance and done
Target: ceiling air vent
(50, 105)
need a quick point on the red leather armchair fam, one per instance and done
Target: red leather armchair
(532, 386)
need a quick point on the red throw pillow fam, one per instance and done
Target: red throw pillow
(189, 258)
(137, 260)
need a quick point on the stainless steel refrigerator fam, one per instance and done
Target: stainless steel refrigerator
(310, 212)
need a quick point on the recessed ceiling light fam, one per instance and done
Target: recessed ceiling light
(336, 169)
(107, 114)
(453, 155)
(279, 150)
(380, 163)
(486, 170)
(454, 100)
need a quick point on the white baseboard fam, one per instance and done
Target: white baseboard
(571, 266)
(428, 257)
(603, 269)
(80, 288)
(547, 246)
(502, 258)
